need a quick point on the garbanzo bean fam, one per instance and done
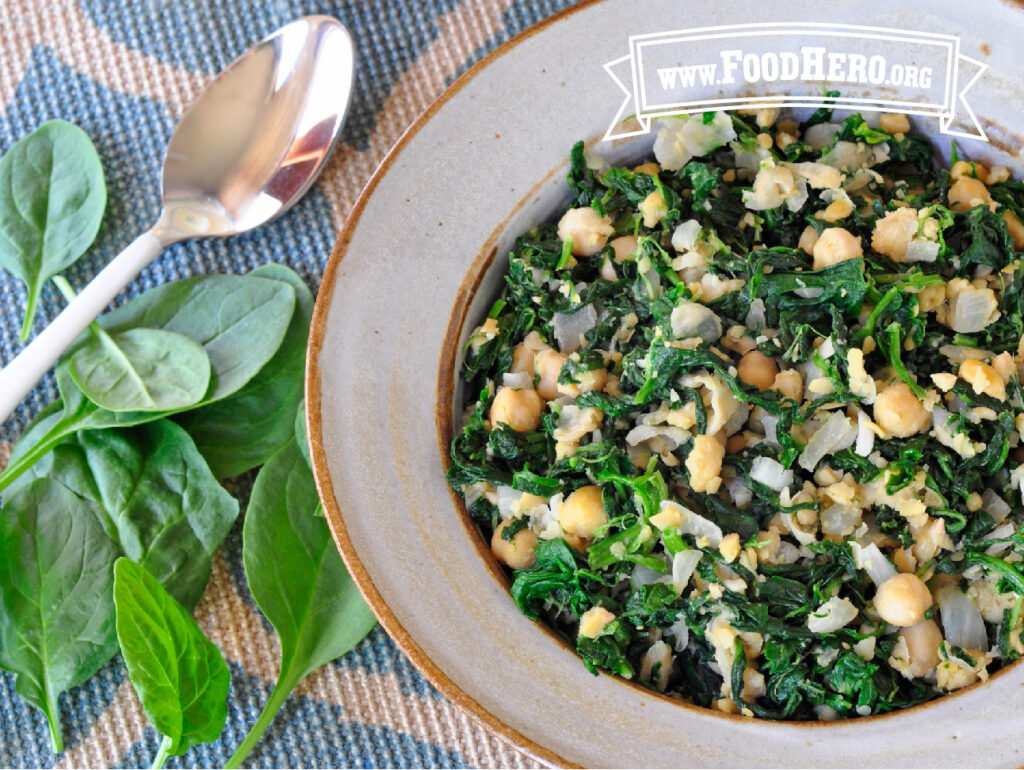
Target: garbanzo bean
(983, 378)
(902, 600)
(757, 369)
(583, 512)
(705, 464)
(968, 192)
(899, 412)
(836, 244)
(517, 553)
(519, 409)
(623, 247)
(548, 364)
(922, 640)
(589, 230)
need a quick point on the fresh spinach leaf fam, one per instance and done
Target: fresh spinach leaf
(243, 431)
(155, 495)
(144, 370)
(56, 610)
(239, 320)
(298, 580)
(180, 675)
(52, 197)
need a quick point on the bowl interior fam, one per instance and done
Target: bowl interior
(413, 271)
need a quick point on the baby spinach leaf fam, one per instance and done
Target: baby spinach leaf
(155, 495)
(52, 197)
(146, 370)
(56, 611)
(179, 674)
(243, 431)
(239, 320)
(298, 580)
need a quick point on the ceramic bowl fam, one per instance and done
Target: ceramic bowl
(414, 270)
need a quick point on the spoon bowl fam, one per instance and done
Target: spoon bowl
(245, 151)
(256, 138)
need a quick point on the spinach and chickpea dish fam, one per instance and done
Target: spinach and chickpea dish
(746, 419)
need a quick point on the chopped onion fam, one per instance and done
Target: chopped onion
(739, 492)
(865, 436)
(820, 134)
(770, 424)
(569, 329)
(958, 353)
(1003, 530)
(517, 380)
(684, 237)
(972, 310)
(739, 417)
(831, 616)
(810, 292)
(994, 505)
(681, 632)
(922, 251)
(804, 538)
(962, 624)
(695, 524)
(756, 318)
(642, 433)
(506, 497)
(839, 519)
(836, 434)
(873, 561)
(645, 576)
(692, 319)
(683, 565)
(771, 473)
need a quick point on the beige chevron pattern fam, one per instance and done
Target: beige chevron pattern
(230, 621)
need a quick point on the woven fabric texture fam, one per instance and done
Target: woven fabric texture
(125, 71)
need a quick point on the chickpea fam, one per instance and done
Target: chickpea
(808, 238)
(517, 553)
(1015, 228)
(835, 245)
(519, 409)
(894, 122)
(899, 412)
(983, 378)
(922, 640)
(589, 231)
(594, 620)
(968, 192)
(964, 168)
(705, 464)
(583, 512)
(902, 600)
(522, 357)
(623, 246)
(790, 384)
(893, 233)
(653, 208)
(757, 369)
(548, 364)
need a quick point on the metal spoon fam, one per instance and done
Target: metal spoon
(246, 150)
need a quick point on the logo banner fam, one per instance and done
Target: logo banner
(791, 64)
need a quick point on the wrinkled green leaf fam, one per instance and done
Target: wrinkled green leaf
(146, 370)
(243, 431)
(179, 674)
(155, 495)
(56, 610)
(52, 197)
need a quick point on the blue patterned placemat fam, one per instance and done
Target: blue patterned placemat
(124, 71)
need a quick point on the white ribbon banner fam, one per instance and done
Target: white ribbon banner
(790, 64)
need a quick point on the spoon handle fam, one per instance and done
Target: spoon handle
(29, 366)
